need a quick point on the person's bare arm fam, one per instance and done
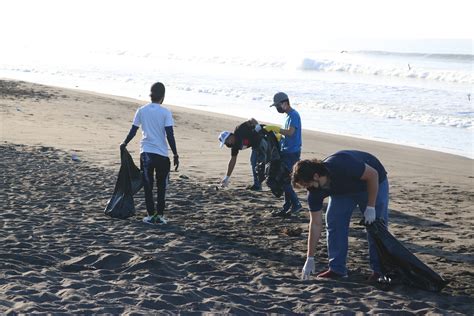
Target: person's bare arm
(371, 176)
(315, 228)
(288, 132)
(231, 165)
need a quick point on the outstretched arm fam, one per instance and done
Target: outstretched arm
(277, 129)
(130, 136)
(315, 228)
(231, 165)
(230, 168)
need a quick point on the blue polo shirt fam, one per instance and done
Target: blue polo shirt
(345, 169)
(292, 144)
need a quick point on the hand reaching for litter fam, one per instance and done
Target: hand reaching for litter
(308, 268)
(225, 181)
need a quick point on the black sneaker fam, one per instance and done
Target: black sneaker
(281, 212)
(295, 209)
(254, 188)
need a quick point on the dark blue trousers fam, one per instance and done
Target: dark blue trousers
(154, 166)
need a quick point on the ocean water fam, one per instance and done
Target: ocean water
(407, 93)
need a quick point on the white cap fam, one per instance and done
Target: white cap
(223, 136)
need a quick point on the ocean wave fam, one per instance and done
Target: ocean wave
(437, 56)
(464, 120)
(338, 63)
(309, 64)
(351, 62)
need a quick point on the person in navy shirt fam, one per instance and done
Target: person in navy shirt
(349, 178)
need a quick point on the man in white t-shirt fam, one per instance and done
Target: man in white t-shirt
(157, 124)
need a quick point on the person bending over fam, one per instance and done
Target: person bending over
(349, 178)
(244, 136)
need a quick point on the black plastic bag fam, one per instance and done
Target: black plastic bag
(399, 264)
(268, 150)
(269, 166)
(129, 182)
(278, 176)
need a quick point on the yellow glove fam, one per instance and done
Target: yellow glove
(272, 128)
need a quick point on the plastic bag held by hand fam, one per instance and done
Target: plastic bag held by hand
(398, 263)
(128, 183)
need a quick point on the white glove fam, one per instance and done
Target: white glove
(308, 268)
(369, 214)
(225, 181)
(258, 128)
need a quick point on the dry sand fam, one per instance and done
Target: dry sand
(221, 252)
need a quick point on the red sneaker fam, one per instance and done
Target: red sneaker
(330, 275)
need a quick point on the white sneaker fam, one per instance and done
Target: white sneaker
(161, 220)
(155, 219)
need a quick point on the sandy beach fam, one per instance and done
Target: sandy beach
(222, 251)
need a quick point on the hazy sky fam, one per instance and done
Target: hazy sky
(226, 25)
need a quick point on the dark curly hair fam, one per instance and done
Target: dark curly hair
(304, 170)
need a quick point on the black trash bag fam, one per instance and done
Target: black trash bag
(269, 166)
(268, 150)
(278, 176)
(128, 183)
(399, 264)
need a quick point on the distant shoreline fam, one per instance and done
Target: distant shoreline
(204, 110)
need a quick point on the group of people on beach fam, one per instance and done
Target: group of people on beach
(350, 178)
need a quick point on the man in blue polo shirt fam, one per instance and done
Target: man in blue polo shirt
(290, 149)
(349, 178)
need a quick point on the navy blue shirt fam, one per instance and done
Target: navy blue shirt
(345, 169)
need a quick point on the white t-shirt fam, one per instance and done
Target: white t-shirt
(153, 118)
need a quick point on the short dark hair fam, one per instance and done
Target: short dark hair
(157, 91)
(304, 170)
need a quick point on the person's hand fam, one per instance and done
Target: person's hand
(176, 162)
(225, 181)
(369, 214)
(122, 146)
(308, 268)
(272, 128)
